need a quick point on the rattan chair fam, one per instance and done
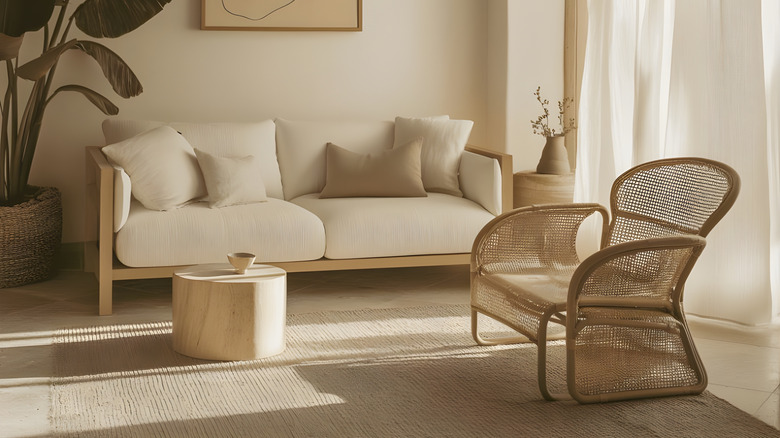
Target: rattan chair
(626, 332)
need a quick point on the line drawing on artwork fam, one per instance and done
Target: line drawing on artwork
(227, 9)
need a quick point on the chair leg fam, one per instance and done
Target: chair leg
(495, 341)
(693, 357)
(541, 344)
(541, 372)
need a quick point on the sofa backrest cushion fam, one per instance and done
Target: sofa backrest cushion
(443, 143)
(220, 139)
(301, 149)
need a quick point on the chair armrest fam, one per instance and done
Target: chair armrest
(505, 165)
(647, 273)
(538, 238)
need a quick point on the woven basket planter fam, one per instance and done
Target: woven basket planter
(30, 234)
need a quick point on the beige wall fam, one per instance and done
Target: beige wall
(525, 51)
(535, 42)
(497, 50)
(413, 58)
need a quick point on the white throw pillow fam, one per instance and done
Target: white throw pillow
(443, 143)
(232, 180)
(163, 170)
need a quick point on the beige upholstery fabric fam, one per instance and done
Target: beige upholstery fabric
(231, 180)
(301, 146)
(220, 139)
(162, 167)
(443, 144)
(383, 227)
(393, 172)
(480, 181)
(122, 197)
(275, 231)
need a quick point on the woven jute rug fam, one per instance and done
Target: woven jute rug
(411, 372)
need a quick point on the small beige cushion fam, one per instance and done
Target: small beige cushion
(232, 180)
(390, 173)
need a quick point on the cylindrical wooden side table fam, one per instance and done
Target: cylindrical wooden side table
(531, 188)
(221, 315)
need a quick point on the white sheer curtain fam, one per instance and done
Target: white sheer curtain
(666, 78)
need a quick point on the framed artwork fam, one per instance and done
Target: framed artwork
(339, 15)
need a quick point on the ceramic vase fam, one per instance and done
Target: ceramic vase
(555, 158)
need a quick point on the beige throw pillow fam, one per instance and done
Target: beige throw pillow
(163, 170)
(232, 180)
(391, 173)
(443, 144)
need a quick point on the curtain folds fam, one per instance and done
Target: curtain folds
(666, 78)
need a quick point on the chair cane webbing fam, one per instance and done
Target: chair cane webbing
(625, 336)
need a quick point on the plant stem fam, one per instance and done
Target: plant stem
(34, 131)
(18, 151)
(58, 26)
(40, 97)
(67, 29)
(28, 131)
(5, 155)
(13, 85)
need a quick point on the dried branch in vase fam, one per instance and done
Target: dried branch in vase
(541, 125)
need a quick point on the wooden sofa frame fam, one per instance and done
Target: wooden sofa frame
(99, 255)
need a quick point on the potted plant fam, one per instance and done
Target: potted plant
(555, 159)
(31, 217)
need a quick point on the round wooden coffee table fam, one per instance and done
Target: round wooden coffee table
(221, 315)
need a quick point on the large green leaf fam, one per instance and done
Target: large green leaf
(118, 73)
(20, 16)
(41, 65)
(113, 18)
(96, 98)
(9, 46)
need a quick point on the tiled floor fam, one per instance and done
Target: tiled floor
(743, 363)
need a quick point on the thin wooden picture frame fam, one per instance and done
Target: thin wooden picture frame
(282, 15)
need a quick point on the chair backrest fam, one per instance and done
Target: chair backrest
(673, 196)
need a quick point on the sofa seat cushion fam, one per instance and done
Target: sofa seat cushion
(386, 227)
(276, 231)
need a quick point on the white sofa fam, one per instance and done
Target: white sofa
(293, 228)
